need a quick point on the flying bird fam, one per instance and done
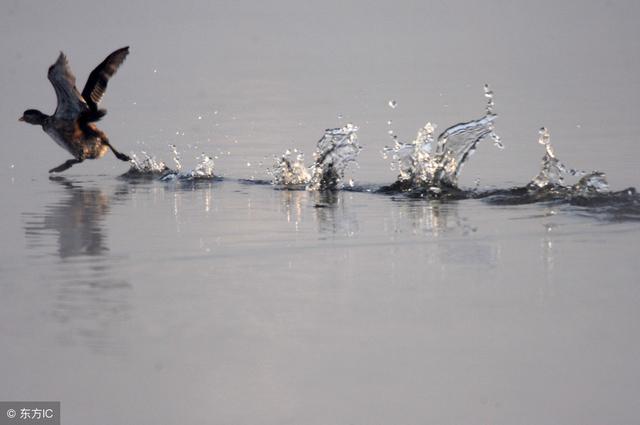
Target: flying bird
(72, 124)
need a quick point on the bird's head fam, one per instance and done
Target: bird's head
(33, 116)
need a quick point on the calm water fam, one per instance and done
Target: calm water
(227, 302)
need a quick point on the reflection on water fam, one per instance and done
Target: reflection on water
(76, 220)
(547, 243)
(330, 211)
(333, 214)
(431, 217)
(90, 299)
(452, 231)
(292, 206)
(444, 224)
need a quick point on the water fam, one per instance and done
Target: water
(422, 166)
(336, 150)
(290, 170)
(591, 191)
(501, 292)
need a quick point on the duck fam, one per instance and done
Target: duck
(72, 125)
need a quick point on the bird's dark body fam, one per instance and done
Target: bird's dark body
(72, 124)
(87, 142)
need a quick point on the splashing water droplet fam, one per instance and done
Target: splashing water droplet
(392, 104)
(340, 116)
(289, 169)
(202, 171)
(595, 182)
(423, 163)
(544, 136)
(176, 157)
(545, 139)
(497, 141)
(147, 166)
(552, 170)
(429, 128)
(487, 92)
(337, 148)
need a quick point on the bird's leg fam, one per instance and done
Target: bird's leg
(67, 164)
(119, 155)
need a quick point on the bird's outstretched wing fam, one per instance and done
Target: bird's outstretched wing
(97, 82)
(70, 103)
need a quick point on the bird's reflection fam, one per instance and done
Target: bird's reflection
(90, 298)
(76, 219)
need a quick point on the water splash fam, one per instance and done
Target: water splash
(425, 163)
(177, 158)
(552, 171)
(549, 185)
(413, 160)
(202, 171)
(149, 167)
(146, 167)
(592, 183)
(204, 168)
(337, 148)
(488, 94)
(289, 170)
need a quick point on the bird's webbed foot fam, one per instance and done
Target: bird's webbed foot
(65, 166)
(121, 156)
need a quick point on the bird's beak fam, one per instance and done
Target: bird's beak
(21, 119)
